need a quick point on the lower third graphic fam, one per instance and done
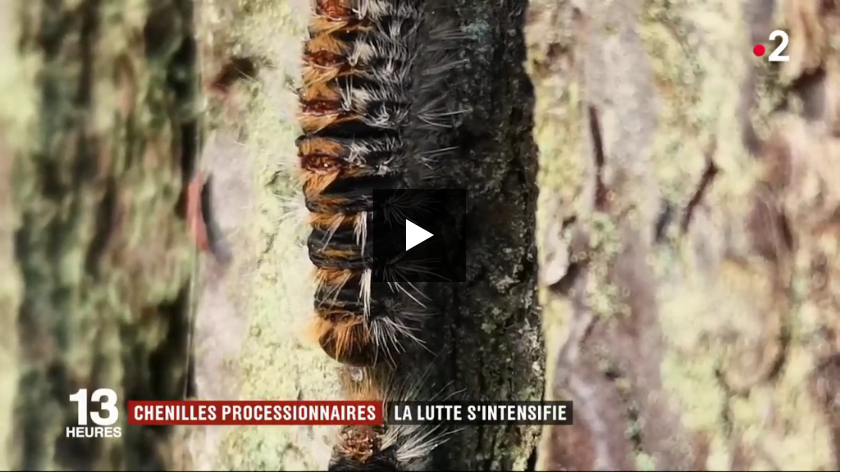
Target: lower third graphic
(103, 423)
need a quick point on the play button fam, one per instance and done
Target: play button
(415, 235)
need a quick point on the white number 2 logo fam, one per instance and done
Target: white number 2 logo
(108, 400)
(777, 56)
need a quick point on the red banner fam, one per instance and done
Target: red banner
(198, 412)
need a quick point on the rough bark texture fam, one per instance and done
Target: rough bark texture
(494, 347)
(100, 136)
(251, 321)
(689, 233)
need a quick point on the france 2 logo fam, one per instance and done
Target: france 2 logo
(104, 419)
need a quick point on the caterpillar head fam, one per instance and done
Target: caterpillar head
(361, 448)
(387, 447)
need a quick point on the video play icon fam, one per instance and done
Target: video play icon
(419, 235)
(415, 235)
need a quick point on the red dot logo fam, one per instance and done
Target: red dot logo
(758, 50)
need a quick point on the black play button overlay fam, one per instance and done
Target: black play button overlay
(418, 235)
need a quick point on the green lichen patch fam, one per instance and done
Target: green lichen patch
(735, 271)
(108, 121)
(276, 360)
(723, 311)
(699, 59)
(17, 113)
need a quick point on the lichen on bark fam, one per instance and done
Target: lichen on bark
(688, 239)
(99, 239)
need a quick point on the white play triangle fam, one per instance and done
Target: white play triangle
(415, 235)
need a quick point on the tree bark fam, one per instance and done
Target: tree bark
(689, 233)
(103, 136)
(493, 342)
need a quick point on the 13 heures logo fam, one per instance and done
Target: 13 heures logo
(104, 419)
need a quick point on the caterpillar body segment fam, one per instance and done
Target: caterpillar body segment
(388, 447)
(364, 116)
(374, 114)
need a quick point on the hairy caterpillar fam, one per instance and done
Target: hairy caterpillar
(373, 117)
(368, 123)
(387, 447)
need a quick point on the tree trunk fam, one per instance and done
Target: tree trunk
(100, 113)
(689, 233)
(493, 335)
